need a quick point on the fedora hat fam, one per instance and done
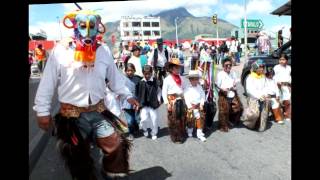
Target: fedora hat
(160, 41)
(193, 74)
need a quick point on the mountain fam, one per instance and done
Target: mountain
(188, 25)
(170, 15)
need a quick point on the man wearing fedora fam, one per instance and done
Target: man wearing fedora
(172, 93)
(159, 59)
(195, 98)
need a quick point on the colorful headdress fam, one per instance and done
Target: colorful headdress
(87, 25)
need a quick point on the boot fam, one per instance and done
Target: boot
(277, 114)
(200, 135)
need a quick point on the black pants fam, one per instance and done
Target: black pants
(160, 74)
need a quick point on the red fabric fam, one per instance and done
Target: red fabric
(177, 79)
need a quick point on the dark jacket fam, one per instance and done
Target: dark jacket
(147, 93)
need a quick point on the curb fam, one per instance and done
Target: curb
(39, 142)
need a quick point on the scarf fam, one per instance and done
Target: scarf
(177, 79)
(256, 76)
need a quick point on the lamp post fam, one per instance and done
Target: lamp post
(245, 31)
(175, 20)
(59, 27)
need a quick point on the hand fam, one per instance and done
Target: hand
(44, 122)
(134, 103)
(169, 107)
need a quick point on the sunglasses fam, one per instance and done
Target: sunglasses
(228, 65)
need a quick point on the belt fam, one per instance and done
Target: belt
(175, 96)
(69, 110)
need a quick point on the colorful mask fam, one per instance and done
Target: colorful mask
(87, 25)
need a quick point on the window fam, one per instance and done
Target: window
(125, 24)
(155, 24)
(136, 33)
(126, 33)
(136, 24)
(146, 33)
(146, 24)
(156, 33)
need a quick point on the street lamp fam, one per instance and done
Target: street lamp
(245, 31)
(59, 27)
(175, 20)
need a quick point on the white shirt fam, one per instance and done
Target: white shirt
(76, 84)
(282, 73)
(137, 64)
(170, 87)
(225, 80)
(112, 102)
(161, 58)
(271, 87)
(256, 87)
(194, 95)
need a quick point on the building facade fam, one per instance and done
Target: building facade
(139, 28)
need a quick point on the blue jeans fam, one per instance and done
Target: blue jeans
(93, 123)
(132, 119)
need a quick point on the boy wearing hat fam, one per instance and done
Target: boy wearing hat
(172, 93)
(194, 98)
(158, 59)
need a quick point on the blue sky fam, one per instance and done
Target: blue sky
(44, 16)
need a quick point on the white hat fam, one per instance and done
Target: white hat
(193, 74)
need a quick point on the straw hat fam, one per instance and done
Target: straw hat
(175, 61)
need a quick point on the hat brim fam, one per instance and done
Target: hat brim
(176, 64)
(193, 76)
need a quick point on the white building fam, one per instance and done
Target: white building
(139, 28)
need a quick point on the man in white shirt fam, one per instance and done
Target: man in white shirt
(79, 75)
(230, 107)
(159, 59)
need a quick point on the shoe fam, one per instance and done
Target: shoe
(202, 138)
(224, 129)
(199, 132)
(288, 119)
(154, 137)
(145, 133)
(280, 122)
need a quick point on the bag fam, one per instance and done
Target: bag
(251, 113)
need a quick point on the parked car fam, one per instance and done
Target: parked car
(270, 60)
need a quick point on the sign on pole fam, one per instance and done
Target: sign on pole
(252, 23)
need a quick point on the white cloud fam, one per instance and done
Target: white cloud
(236, 11)
(112, 11)
(52, 30)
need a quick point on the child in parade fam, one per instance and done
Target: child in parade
(148, 93)
(195, 98)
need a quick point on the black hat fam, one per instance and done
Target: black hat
(134, 48)
(160, 41)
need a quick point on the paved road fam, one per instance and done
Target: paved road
(240, 154)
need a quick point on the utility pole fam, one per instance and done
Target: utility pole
(175, 20)
(245, 31)
(59, 27)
